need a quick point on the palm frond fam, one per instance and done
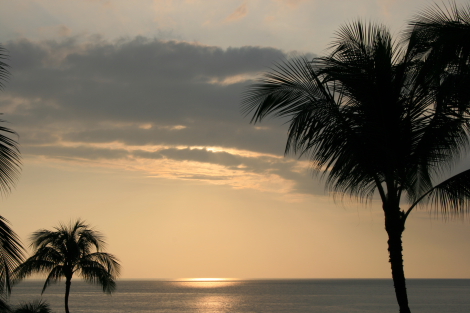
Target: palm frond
(107, 260)
(4, 307)
(44, 237)
(4, 73)
(11, 254)
(281, 92)
(440, 28)
(450, 197)
(55, 275)
(10, 159)
(88, 238)
(440, 35)
(96, 273)
(36, 306)
(32, 266)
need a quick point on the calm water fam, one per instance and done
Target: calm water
(243, 296)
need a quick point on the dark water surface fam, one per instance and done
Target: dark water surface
(242, 296)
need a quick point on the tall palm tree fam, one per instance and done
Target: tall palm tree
(376, 117)
(68, 250)
(11, 250)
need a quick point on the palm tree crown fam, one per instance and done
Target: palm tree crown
(36, 306)
(366, 116)
(69, 250)
(380, 117)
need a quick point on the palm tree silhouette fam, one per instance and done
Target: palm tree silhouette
(378, 117)
(69, 250)
(11, 250)
(36, 306)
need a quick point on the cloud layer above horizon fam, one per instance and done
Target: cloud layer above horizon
(165, 108)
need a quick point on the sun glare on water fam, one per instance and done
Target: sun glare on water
(208, 279)
(207, 282)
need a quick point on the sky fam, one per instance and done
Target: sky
(128, 115)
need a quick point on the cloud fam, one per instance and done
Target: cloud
(107, 90)
(238, 14)
(64, 31)
(165, 108)
(291, 3)
(236, 168)
(60, 30)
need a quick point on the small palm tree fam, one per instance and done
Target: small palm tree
(37, 306)
(69, 250)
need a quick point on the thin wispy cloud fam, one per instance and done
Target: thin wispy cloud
(238, 14)
(291, 3)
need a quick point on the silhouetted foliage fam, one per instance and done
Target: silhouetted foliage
(4, 73)
(11, 250)
(380, 117)
(10, 160)
(4, 307)
(68, 250)
(37, 306)
(11, 255)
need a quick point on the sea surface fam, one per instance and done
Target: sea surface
(243, 296)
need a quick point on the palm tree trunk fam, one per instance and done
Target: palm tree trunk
(68, 282)
(395, 225)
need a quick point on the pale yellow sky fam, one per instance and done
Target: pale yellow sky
(128, 115)
(163, 228)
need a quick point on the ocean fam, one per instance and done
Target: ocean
(243, 296)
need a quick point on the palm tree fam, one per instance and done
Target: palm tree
(376, 117)
(11, 250)
(69, 250)
(37, 306)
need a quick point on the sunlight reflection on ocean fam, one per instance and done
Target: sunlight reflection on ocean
(213, 296)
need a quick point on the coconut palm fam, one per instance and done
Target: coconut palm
(68, 250)
(376, 117)
(11, 250)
